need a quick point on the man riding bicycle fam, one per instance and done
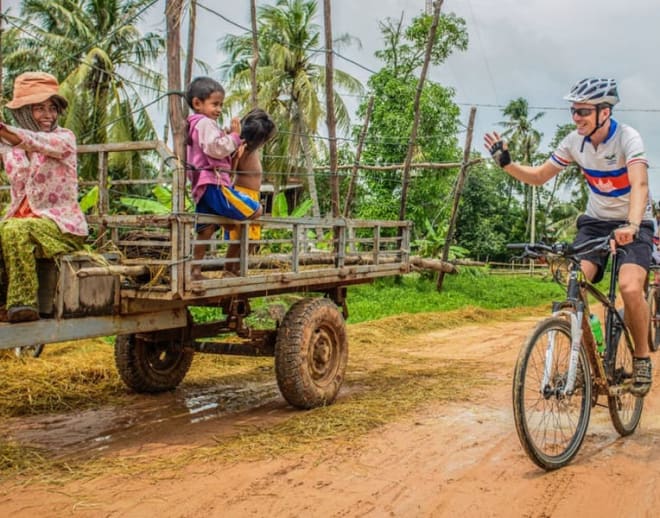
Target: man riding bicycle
(613, 162)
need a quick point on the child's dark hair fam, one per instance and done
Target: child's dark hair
(257, 128)
(202, 88)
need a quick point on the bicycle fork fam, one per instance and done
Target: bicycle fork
(576, 341)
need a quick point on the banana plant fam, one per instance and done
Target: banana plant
(162, 204)
(433, 242)
(281, 210)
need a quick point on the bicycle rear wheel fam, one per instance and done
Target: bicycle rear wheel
(625, 409)
(550, 424)
(654, 318)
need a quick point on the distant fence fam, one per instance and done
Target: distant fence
(514, 267)
(518, 268)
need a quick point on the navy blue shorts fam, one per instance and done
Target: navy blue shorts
(638, 252)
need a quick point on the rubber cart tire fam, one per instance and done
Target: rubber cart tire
(311, 353)
(151, 366)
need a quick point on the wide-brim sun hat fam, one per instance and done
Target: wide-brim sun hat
(35, 88)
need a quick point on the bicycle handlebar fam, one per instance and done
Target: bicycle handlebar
(599, 245)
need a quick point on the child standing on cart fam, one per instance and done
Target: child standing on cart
(257, 128)
(209, 158)
(44, 217)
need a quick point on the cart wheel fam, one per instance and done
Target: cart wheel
(311, 352)
(149, 366)
(33, 351)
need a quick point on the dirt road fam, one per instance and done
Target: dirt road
(458, 459)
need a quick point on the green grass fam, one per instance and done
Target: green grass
(415, 293)
(473, 288)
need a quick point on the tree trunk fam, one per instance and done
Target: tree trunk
(173, 11)
(358, 155)
(330, 109)
(418, 96)
(1, 51)
(309, 168)
(255, 55)
(462, 175)
(190, 49)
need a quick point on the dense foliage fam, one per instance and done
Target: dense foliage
(107, 66)
(393, 88)
(103, 62)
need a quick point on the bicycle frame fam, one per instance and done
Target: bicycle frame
(560, 373)
(576, 308)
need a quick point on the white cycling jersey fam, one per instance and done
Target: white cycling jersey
(605, 169)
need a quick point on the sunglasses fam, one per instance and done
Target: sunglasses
(582, 112)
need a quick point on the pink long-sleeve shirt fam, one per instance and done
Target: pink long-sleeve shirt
(209, 153)
(43, 170)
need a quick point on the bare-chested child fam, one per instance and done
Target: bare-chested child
(257, 128)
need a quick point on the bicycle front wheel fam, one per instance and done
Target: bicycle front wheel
(551, 425)
(625, 408)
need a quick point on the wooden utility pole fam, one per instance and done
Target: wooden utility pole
(190, 49)
(255, 56)
(462, 175)
(1, 63)
(358, 155)
(173, 12)
(330, 108)
(418, 95)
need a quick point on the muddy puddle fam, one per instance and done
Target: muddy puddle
(176, 419)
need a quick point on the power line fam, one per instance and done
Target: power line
(483, 53)
(248, 30)
(555, 108)
(319, 50)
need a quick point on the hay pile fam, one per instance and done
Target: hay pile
(384, 382)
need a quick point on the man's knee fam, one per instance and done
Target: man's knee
(631, 285)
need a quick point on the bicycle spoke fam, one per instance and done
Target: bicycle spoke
(550, 423)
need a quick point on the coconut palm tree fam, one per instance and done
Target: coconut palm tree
(103, 62)
(524, 141)
(519, 129)
(290, 81)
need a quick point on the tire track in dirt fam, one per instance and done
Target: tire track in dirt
(458, 459)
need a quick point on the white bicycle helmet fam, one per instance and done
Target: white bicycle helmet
(593, 90)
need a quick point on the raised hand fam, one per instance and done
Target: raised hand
(497, 148)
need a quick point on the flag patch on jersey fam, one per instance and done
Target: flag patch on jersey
(608, 183)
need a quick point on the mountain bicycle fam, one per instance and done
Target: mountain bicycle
(653, 300)
(560, 372)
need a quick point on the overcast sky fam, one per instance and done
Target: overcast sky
(534, 49)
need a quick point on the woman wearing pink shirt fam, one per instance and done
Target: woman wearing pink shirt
(44, 216)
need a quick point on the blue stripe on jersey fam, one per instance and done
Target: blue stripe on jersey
(610, 194)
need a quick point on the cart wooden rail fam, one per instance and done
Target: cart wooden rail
(139, 286)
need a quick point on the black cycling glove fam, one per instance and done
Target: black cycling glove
(499, 154)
